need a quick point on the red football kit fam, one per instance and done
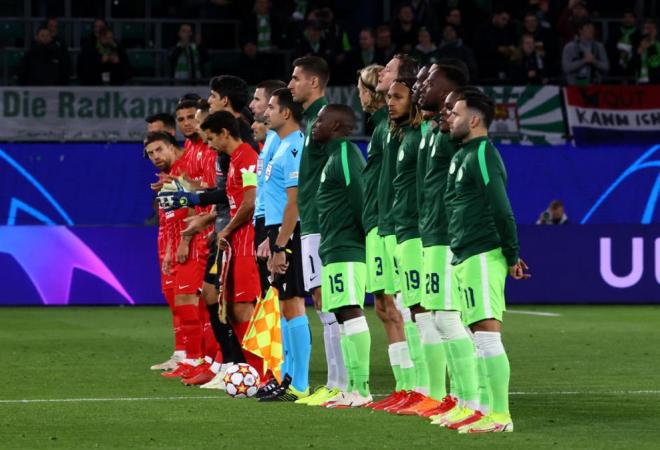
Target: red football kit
(243, 283)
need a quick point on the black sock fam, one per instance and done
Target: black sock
(224, 334)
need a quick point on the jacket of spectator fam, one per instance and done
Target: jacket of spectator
(584, 60)
(529, 66)
(647, 59)
(404, 30)
(494, 44)
(263, 28)
(622, 45)
(186, 58)
(44, 64)
(453, 47)
(105, 63)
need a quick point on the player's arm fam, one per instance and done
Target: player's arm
(243, 215)
(493, 181)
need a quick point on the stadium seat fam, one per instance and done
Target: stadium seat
(224, 61)
(12, 58)
(143, 63)
(133, 35)
(12, 34)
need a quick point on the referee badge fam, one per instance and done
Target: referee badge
(268, 169)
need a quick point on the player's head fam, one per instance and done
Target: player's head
(259, 129)
(471, 115)
(449, 102)
(309, 78)
(400, 66)
(370, 99)
(422, 75)
(160, 147)
(262, 93)
(282, 109)
(201, 113)
(222, 131)
(185, 118)
(161, 122)
(401, 109)
(228, 93)
(333, 121)
(448, 75)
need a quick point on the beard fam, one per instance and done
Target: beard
(460, 132)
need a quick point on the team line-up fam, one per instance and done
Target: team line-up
(271, 191)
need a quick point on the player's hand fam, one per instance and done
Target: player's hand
(182, 251)
(279, 264)
(518, 271)
(317, 299)
(222, 239)
(196, 224)
(157, 186)
(263, 251)
(167, 263)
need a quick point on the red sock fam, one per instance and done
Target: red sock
(191, 329)
(209, 343)
(179, 342)
(218, 356)
(252, 359)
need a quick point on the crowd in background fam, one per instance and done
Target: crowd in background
(507, 42)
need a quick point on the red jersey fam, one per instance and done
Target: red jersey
(242, 177)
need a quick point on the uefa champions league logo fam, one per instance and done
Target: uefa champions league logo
(48, 254)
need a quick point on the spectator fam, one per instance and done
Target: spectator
(575, 13)
(554, 215)
(455, 18)
(91, 39)
(385, 47)
(312, 42)
(404, 30)
(51, 24)
(425, 15)
(584, 59)
(44, 64)
(263, 29)
(453, 47)
(622, 44)
(528, 67)
(186, 58)
(496, 44)
(105, 63)
(425, 52)
(648, 54)
(546, 44)
(366, 53)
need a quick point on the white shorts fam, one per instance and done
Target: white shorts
(311, 261)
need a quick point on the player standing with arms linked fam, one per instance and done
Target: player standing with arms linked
(342, 247)
(308, 82)
(484, 243)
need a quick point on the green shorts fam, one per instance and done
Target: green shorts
(479, 286)
(438, 294)
(409, 258)
(375, 248)
(343, 284)
(390, 267)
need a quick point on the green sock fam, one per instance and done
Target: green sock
(466, 369)
(499, 372)
(407, 367)
(417, 356)
(344, 343)
(454, 380)
(437, 365)
(359, 339)
(484, 392)
(395, 363)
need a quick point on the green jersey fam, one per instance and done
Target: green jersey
(339, 201)
(371, 171)
(480, 216)
(428, 139)
(385, 185)
(432, 214)
(404, 208)
(312, 160)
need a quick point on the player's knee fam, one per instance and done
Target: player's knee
(347, 313)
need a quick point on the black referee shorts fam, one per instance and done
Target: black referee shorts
(290, 284)
(259, 236)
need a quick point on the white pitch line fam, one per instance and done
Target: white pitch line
(222, 397)
(533, 313)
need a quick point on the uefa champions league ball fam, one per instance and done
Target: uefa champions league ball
(241, 380)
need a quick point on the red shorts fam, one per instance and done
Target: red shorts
(243, 282)
(188, 277)
(166, 282)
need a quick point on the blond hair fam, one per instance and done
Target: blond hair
(368, 79)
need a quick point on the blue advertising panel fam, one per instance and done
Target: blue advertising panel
(58, 265)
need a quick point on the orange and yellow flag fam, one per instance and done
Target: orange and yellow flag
(264, 334)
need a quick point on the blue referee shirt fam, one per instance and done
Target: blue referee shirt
(282, 173)
(270, 145)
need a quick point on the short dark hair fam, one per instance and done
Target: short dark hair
(584, 23)
(166, 118)
(185, 104)
(382, 28)
(159, 136)
(368, 30)
(234, 88)
(222, 120)
(408, 66)
(270, 86)
(454, 70)
(315, 65)
(190, 96)
(285, 99)
(476, 99)
(409, 82)
(650, 21)
(203, 105)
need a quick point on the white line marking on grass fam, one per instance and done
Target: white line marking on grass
(533, 313)
(117, 399)
(642, 392)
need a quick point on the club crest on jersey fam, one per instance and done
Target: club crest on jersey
(307, 141)
(401, 155)
(452, 167)
(323, 176)
(459, 177)
(199, 155)
(389, 134)
(423, 143)
(260, 166)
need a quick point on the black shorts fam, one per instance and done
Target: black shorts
(291, 283)
(259, 236)
(213, 278)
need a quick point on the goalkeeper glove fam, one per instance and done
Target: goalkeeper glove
(177, 194)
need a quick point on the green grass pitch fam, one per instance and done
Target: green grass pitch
(588, 377)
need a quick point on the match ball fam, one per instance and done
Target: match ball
(241, 380)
